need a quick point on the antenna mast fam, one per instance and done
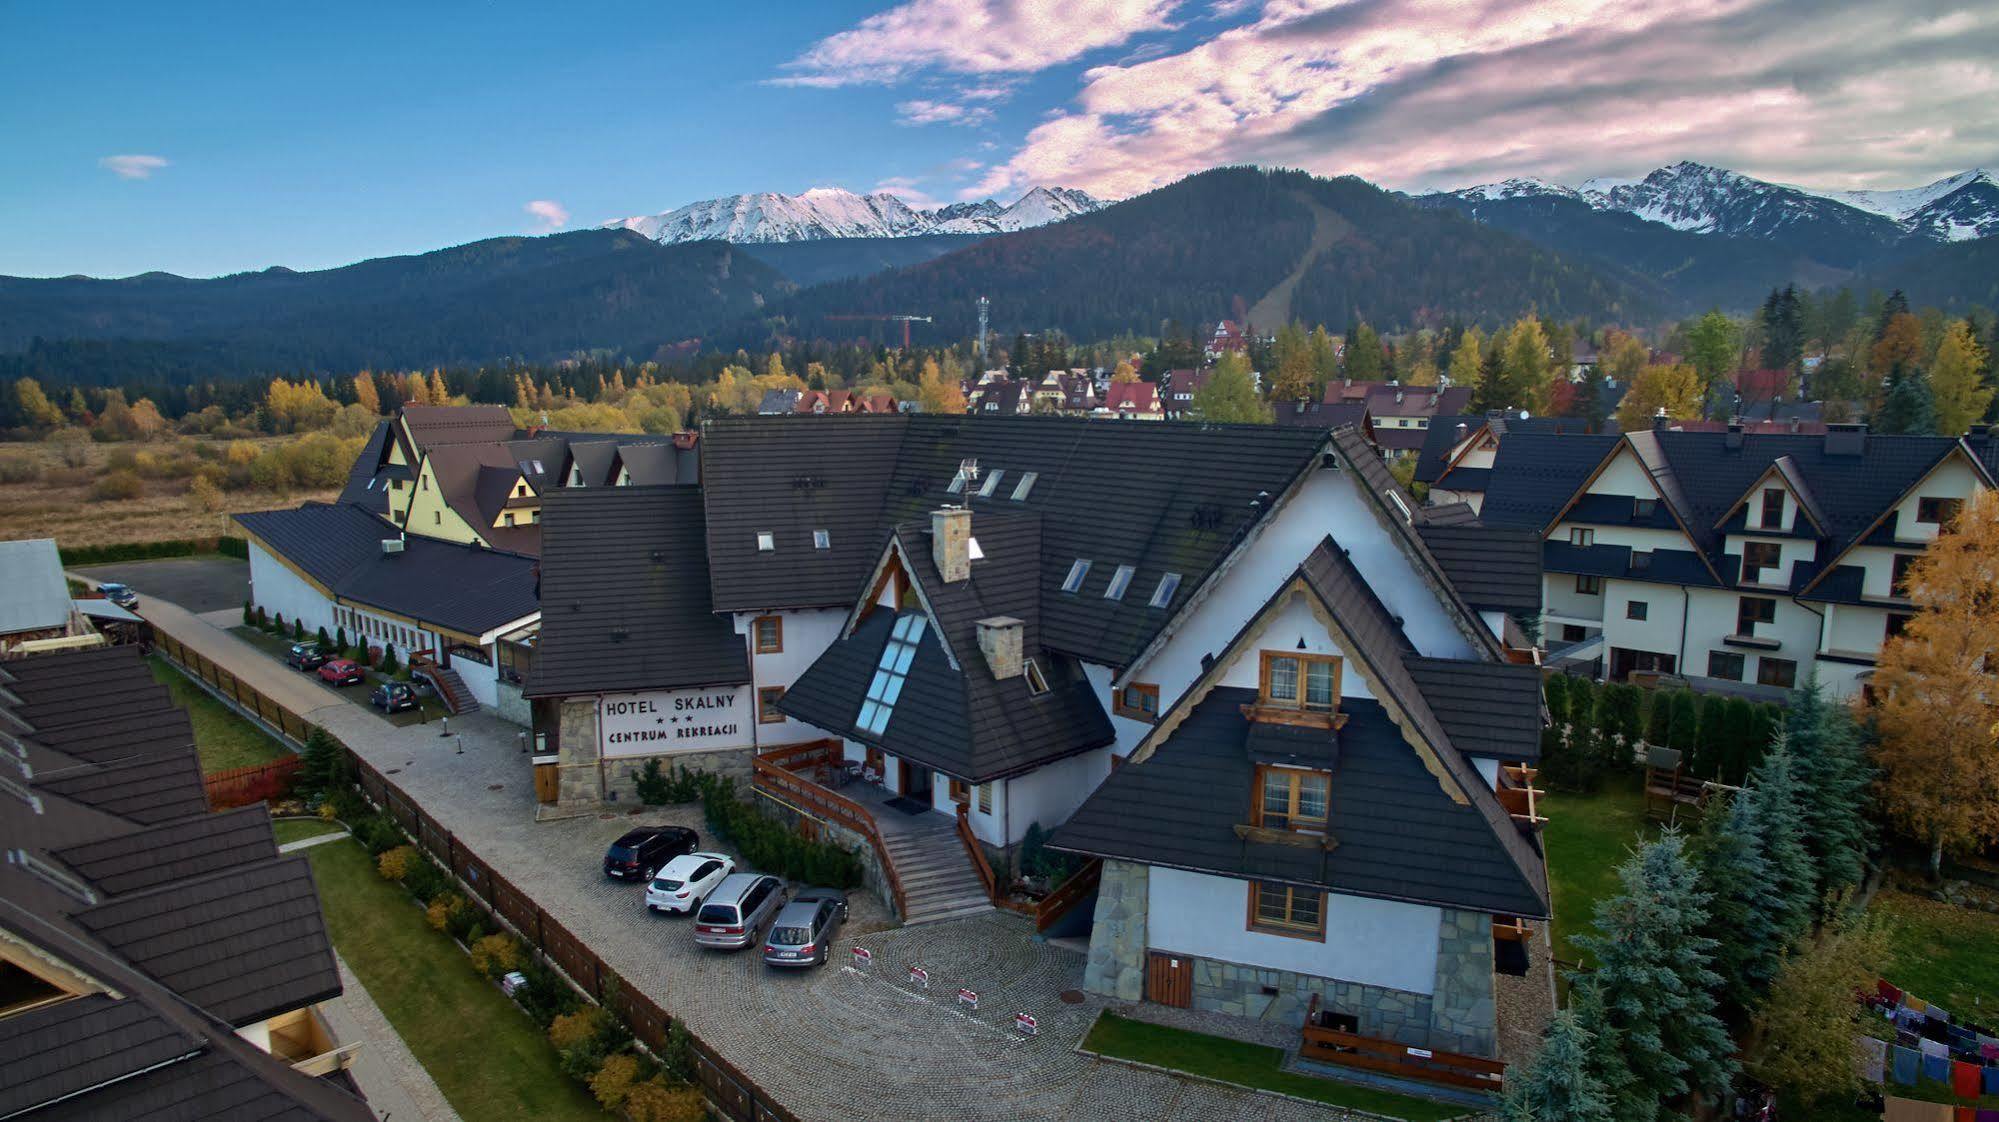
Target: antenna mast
(983, 304)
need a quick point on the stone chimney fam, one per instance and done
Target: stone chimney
(1733, 440)
(999, 641)
(951, 543)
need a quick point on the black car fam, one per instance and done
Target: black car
(642, 852)
(120, 595)
(393, 697)
(306, 656)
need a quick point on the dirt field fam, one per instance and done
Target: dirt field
(58, 503)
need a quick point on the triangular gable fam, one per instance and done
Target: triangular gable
(1480, 439)
(1663, 483)
(1955, 450)
(1786, 472)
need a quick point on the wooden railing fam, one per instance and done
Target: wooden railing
(810, 797)
(793, 757)
(1068, 894)
(1349, 1049)
(978, 856)
(254, 784)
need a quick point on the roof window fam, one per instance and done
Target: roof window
(972, 550)
(1120, 581)
(991, 484)
(890, 673)
(1025, 485)
(1037, 683)
(822, 539)
(1168, 585)
(766, 541)
(1077, 572)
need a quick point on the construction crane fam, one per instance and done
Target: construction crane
(903, 319)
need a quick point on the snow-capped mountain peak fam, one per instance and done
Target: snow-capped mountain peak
(1955, 208)
(1520, 187)
(833, 212)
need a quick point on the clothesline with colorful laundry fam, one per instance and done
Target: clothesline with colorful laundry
(1930, 1045)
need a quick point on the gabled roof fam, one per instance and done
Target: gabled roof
(1495, 568)
(367, 481)
(625, 596)
(1786, 471)
(435, 426)
(462, 588)
(1438, 442)
(474, 481)
(34, 596)
(1536, 474)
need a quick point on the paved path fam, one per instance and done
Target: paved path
(830, 1043)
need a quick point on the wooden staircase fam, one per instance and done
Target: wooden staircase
(938, 879)
(451, 690)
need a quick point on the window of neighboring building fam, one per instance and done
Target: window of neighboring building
(769, 631)
(1582, 535)
(1752, 610)
(766, 541)
(767, 699)
(1773, 508)
(1120, 581)
(1635, 609)
(1939, 512)
(1285, 909)
(1641, 560)
(1780, 672)
(1899, 575)
(1898, 622)
(822, 539)
(1077, 572)
(1726, 665)
(507, 519)
(1025, 485)
(1641, 509)
(985, 801)
(1587, 585)
(1139, 701)
(535, 515)
(1292, 798)
(395, 484)
(1573, 633)
(437, 518)
(1301, 681)
(1037, 683)
(961, 791)
(1163, 595)
(1758, 556)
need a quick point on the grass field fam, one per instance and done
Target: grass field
(488, 1058)
(224, 739)
(1944, 954)
(299, 829)
(1587, 837)
(1252, 1065)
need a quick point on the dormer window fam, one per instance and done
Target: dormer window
(1037, 683)
(957, 486)
(1077, 572)
(766, 541)
(991, 484)
(1293, 799)
(1773, 508)
(890, 673)
(1301, 681)
(1120, 581)
(1582, 536)
(1163, 595)
(1938, 512)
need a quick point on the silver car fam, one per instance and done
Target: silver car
(802, 934)
(735, 913)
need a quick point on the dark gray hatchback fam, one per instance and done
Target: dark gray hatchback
(802, 934)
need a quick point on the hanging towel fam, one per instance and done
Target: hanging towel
(1907, 1067)
(1967, 1114)
(1987, 1116)
(1988, 1051)
(1913, 1110)
(1933, 1047)
(1966, 1080)
(1992, 1080)
(1940, 1013)
(1889, 993)
(1873, 1059)
(1911, 1001)
(1936, 1067)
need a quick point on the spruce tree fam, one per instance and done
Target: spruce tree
(1833, 778)
(1744, 905)
(1657, 984)
(1559, 1085)
(1685, 734)
(1781, 802)
(1910, 407)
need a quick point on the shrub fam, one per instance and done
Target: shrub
(1556, 691)
(766, 843)
(395, 864)
(388, 663)
(326, 812)
(582, 1038)
(249, 617)
(378, 833)
(19, 469)
(324, 641)
(465, 924)
(1659, 717)
(1037, 860)
(441, 909)
(661, 788)
(677, 1058)
(614, 1080)
(278, 624)
(340, 638)
(657, 1102)
(323, 764)
(263, 619)
(203, 495)
(117, 485)
(298, 630)
(544, 995)
(495, 955)
(425, 880)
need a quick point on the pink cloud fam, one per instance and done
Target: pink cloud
(972, 37)
(922, 112)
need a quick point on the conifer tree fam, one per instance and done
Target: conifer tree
(1781, 803)
(1744, 905)
(1558, 1085)
(1910, 407)
(1656, 982)
(1832, 771)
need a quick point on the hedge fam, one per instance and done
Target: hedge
(150, 551)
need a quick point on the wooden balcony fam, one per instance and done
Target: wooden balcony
(1520, 797)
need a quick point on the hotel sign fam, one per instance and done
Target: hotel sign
(657, 724)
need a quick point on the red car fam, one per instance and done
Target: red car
(342, 672)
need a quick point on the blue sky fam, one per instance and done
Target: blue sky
(255, 135)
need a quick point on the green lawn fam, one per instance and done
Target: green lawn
(1252, 1065)
(1944, 953)
(224, 739)
(487, 1057)
(1587, 837)
(298, 829)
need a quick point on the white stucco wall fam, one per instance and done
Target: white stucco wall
(807, 634)
(1660, 629)
(1791, 552)
(1293, 629)
(1379, 942)
(1048, 795)
(278, 590)
(1712, 618)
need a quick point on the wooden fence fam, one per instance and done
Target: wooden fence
(732, 1092)
(254, 784)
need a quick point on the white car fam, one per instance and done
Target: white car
(686, 881)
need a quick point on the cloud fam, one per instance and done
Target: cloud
(972, 37)
(922, 112)
(908, 188)
(549, 213)
(1431, 93)
(133, 167)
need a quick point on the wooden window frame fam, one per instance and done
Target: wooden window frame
(1763, 512)
(757, 638)
(1746, 627)
(1314, 826)
(1582, 537)
(960, 791)
(1637, 609)
(1752, 572)
(983, 802)
(1741, 666)
(1938, 510)
(1252, 921)
(1767, 661)
(767, 699)
(1304, 659)
(1145, 689)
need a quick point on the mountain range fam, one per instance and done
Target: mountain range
(831, 212)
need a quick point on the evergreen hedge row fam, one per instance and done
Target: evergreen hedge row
(152, 551)
(1597, 727)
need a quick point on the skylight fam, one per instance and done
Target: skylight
(1168, 585)
(1120, 581)
(957, 486)
(822, 539)
(973, 550)
(1037, 684)
(766, 541)
(1025, 485)
(991, 484)
(890, 674)
(1074, 580)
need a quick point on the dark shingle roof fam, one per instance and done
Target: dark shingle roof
(1488, 709)
(177, 850)
(1535, 474)
(365, 484)
(1438, 440)
(462, 588)
(626, 596)
(72, 1046)
(1495, 568)
(144, 789)
(441, 425)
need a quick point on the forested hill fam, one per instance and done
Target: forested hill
(1215, 244)
(533, 297)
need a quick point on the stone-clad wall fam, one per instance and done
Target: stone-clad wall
(588, 781)
(1116, 966)
(1463, 1017)
(1236, 989)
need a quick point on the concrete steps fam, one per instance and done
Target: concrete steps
(938, 880)
(452, 691)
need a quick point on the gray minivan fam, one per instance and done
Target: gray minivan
(802, 933)
(737, 910)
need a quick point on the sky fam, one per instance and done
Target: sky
(204, 139)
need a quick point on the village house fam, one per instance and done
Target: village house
(37, 613)
(1402, 414)
(1741, 562)
(1131, 401)
(161, 959)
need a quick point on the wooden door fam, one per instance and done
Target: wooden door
(547, 782)
(1169, 979)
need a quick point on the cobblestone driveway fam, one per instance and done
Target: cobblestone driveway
(833, 1043)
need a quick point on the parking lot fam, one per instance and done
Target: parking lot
(199, 584)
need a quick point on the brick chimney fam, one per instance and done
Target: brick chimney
(951, 543)
(1000, 641)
